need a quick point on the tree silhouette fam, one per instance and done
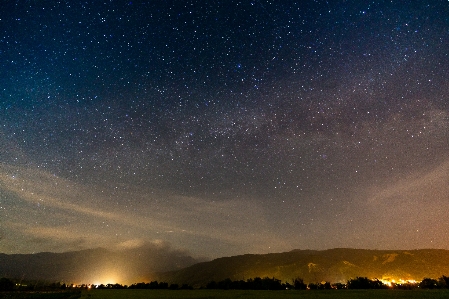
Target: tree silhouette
(326, 286)
(429, 283)
(298, 284)
(443, 281)
(365, 283)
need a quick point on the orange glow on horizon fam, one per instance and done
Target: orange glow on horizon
(109, 277)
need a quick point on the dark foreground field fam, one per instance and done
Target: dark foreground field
(221, 294)
(41, 295)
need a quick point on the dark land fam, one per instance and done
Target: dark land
(334, 265)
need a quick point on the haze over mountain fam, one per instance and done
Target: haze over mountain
(160, 262)
(333, 265)
(125, 266)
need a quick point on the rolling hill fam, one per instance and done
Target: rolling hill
(94, 265)
(334, 265)
(149, 264)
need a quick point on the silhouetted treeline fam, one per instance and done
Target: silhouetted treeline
(270, 284)
(426, 283)
(365, 283)
(154, 285)
(228, 284)
(298, 284)
(430, 283)
(111, 286)
(7, 284)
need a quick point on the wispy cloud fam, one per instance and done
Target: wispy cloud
(162, 215)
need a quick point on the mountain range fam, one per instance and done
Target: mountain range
(333, 265)
(162, 264)
(95, 266)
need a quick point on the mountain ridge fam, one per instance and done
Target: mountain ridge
(100, 265)
(334, 265)
(97, 265)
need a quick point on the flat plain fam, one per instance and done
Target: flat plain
(250, 294)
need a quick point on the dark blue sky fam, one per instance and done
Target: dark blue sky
(224, 127)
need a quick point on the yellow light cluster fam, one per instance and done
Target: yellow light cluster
(392, 282)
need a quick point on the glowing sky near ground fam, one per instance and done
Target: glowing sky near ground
(224, 127)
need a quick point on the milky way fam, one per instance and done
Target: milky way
(224, 127)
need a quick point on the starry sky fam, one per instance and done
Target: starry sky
(224, 127)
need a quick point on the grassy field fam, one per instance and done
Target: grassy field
(41, 295)
(221, 294)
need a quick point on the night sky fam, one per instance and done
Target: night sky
(224, 127)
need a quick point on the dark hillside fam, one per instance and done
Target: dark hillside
(334, 265)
